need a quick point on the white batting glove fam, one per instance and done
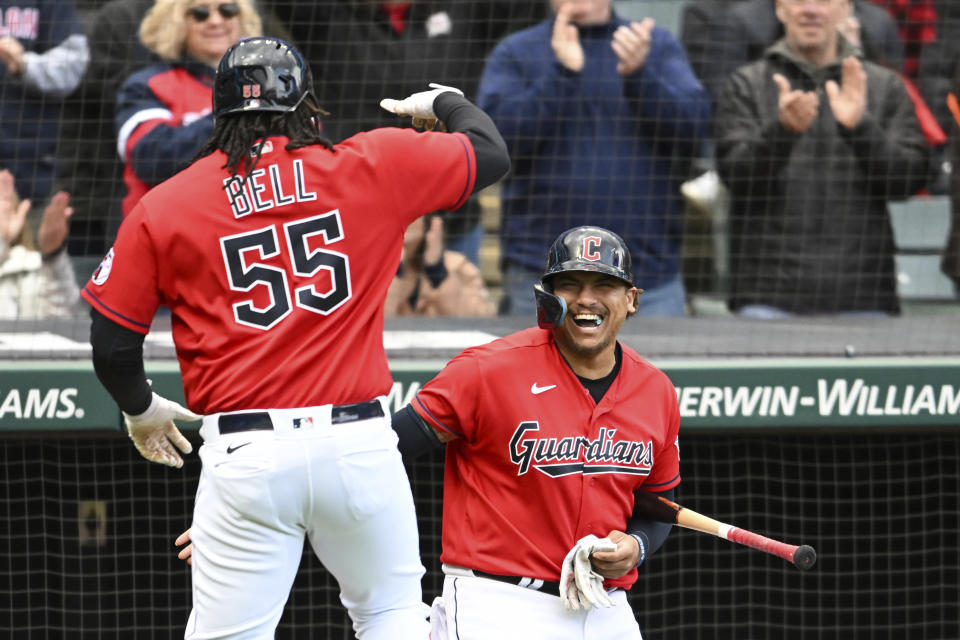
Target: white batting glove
(589, 582)
(580, 585)
(154, 434)
(419, 105)
(569, 594)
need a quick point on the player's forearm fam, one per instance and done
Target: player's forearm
(461, 115)
(414, 436)
(118, 363)
(651, 532)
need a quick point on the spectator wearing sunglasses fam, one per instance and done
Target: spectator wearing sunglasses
(163, 113)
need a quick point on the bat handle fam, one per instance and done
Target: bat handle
(802, 556)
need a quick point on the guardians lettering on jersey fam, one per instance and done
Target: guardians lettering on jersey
(557, 457)
(246, 194)
(20, 23)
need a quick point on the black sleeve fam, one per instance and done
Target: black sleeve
(651, 532)
(118, 362)
(461, 115)
(415, 436)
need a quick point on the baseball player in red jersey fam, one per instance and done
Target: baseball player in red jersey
(274, 251)
(550, 432)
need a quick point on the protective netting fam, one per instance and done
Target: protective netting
(662, 169)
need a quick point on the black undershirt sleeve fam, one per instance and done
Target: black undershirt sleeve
(461, 115)
(652, 532)
(415, 436)
(118, 363)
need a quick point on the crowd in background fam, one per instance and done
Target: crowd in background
(611, 121)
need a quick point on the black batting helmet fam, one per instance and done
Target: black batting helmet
(261, 74)
(579, 249)
(589, 249)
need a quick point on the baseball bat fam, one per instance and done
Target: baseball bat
(660, 509)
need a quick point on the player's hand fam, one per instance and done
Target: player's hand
(54, 228)
(589, 582)
(798, 109)
(187, 551)
(849, 102)
(632, 45)
(154, 434)
(580, 585)
(617, 563)
(565, 40)
(13, 214)
(419, 105)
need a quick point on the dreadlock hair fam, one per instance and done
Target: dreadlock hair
(236, 134)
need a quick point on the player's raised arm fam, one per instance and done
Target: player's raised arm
(459, 115)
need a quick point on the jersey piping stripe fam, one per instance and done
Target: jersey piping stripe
(434, 419)
(100, 304)
(675, 479)
(470, 171)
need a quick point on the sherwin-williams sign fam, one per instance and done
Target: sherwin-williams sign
(801, 392)
(756, 393)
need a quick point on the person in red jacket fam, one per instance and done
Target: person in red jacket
(163, 113)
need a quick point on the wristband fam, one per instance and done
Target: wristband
(643, 548)
(436, 273)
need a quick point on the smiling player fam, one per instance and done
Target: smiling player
(550, 431)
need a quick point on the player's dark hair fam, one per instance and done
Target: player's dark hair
(236, 134)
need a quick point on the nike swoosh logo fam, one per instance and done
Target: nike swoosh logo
(232, 449)
(535, 390)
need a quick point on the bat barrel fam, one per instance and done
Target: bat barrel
(802, 557)
(662, 510)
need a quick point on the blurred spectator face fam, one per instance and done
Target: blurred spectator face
(211, 29)
(586, 12)
(811, 25)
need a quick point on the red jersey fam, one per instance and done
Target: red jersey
(539, 464)
(276, 287)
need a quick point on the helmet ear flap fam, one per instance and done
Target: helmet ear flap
(551, 309)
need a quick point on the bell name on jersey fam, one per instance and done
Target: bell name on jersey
(258, 192)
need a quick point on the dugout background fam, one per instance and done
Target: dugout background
(881, 509)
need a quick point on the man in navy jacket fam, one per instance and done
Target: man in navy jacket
(602, 117)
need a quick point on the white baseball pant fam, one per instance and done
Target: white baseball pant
(474, 608)
(343, 486)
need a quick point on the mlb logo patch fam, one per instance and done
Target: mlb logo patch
(266, 147)
(303, 423)
(251, 91)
